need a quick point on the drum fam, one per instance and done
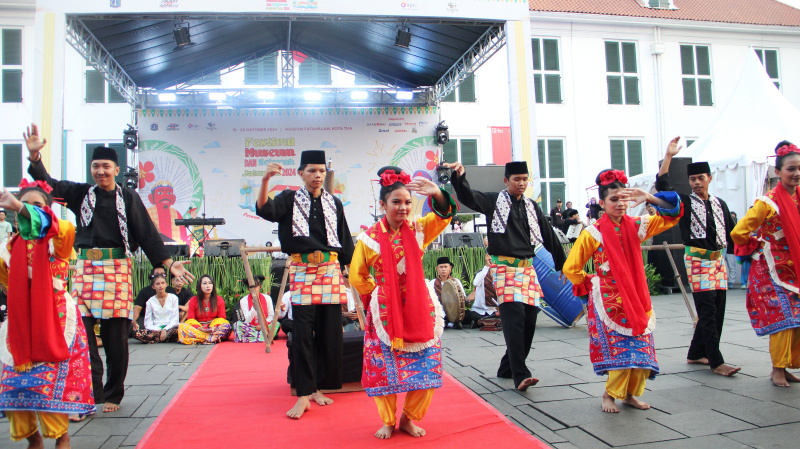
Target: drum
(453, 301)
(560, 304)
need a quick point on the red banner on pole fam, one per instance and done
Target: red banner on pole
(501, 144)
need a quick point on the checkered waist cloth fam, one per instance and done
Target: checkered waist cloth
(102, 287)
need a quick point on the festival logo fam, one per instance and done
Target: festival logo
(154, 127)
(305, 4)
(452, 7)
(174, 127)
(211, 126)
(168, 4)
(115, 3)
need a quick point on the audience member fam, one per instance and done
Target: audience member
(349, 314)
(184, 294)
(5, 228)
(285, 314)
(147, 292)
(161, 316)
(248, 328)
(572, 225)
(485, 304)
(206, 321)
(556, 215)
(443, 269)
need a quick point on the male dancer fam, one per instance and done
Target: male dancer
(706, 230)
(517, 224)
(112, 224)
(313, 230)
(443, 269)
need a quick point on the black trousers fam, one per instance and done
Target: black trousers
(519, 325)
(472, 317)
(114, 333)
(286, 325)
(317, 342)
(710, 307)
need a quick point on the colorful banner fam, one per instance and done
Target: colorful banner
(501, 144)
(195, 161)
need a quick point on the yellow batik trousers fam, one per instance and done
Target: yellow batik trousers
(415, 405)
(624, 382)
(784, 348)
(23, 424)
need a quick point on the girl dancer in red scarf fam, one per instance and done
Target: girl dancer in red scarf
(402, 348)
(621, 319)
(772, 291)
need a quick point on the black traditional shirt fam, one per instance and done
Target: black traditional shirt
(279, 210)
(516, 241)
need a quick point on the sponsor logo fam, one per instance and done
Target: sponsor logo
(154, 127)
(410, 124)
(395, 124)
(414, 130)
(305, 4)
(408, 5)
(168, 4)
(422, 123)
(192, 127)
(396, 118)
(401, 130)
(452, 7)
(383, 130)
(115, 3)
(211, 126)
(376, 124)
(174, 127)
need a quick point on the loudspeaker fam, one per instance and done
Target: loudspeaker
(177, 250)
(484, 178)
(459, 239)
(276, 269)
(229, 248)
(679, 179)
(678, 175)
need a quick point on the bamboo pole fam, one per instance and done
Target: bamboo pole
(266, 331)
(359, 308)
(667, 247)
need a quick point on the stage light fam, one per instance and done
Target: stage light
(403, 38)
(180, 31)
(404, 95)
(168, 98)
(442, 134)
(217, 96)
(359, 95)
(130, 137)
(312, 96)
(266, 95)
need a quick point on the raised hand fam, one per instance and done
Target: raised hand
(673, 148)
(31, 136)
(273, 169)
(8, 200)
(456, 166)
(423, 186)
(635, 196)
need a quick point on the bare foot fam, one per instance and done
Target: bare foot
(790, 377)
(410, 428)
(778, 376)
(608, 404)
(63, 442)
(35, 441)
(633, 402)
(384, 432)
(301, 406)
(529, 382)
(320, 398)
(109, 407)
(726, 370)
(703, 361)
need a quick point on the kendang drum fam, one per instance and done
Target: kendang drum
(453, 301)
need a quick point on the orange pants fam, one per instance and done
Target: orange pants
(784, 348)
(23, 424)
(415, 406)
(624, 382)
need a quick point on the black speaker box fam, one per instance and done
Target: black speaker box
(177, 250)
(680, 183)
(459, 239)
(219, 247)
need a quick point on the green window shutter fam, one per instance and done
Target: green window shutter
(760, 54)
(451, 97)
(12, 47)
(618, 155)
(122, 157)
(114, 96)
(542, 165)
(689, 92)
(555, 154)
(212, 79)
(704, 86)
(552, 87)
(687, 60)
(252, 73)
(614, 89)
(307, 70)
(262, 72)
(537, 87)
(466, 91)
(313, 73)
(703, 60)
(12, 86)
(544, 203)
(771, 57)
(612, 57)
(550, 54)
(778, 85)
(557, 191)
(629, 57)
(537, 54)
(362, 80)
(635, 164)
(689, 142)
(95, 87)
(323, 74)
(12, 164)
(654, 3)
(631, 90)
(450, 151)
(89, 151)
(469, 151)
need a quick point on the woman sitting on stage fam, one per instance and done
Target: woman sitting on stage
(621, 318)
(161, 316)
(403, 324)
(248, 328)
(205, 317)
(774, 283)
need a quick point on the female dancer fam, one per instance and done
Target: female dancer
(621, 319)
(43, 348)
(402, 350)
(772, 290)
(206, 321)
(248, 328)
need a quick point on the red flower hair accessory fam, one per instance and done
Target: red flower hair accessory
(611, 176)
(24, 184)
(389, 177)
(786, 149)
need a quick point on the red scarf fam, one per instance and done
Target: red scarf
(790, 222)
(34, 328)
(628, 270)
(264, 308)
(407, 319)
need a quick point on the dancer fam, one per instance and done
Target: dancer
(620, 319)
(161, 316)
(206, 319)
(248, 328)
(706, 232)
(112, 224)
(313, 230)
(43, 348)
(402, 350)
(517, 225)
(772, 290)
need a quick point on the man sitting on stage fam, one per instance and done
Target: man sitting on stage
(313, 230)
(485, 304)
(443, 269)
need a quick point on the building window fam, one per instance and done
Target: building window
(465, 92)
(551, 172)
(770, 60)
(122, 157)
(461, 150)
(622, 77)
(263, 72)
(12, 164)
(11, 59)
(314, 73)
(659, 4)
(546, 71)
(696, 70)
(690, 141)
(626, 155)
(98, 90)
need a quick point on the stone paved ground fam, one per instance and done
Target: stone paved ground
(691, 407)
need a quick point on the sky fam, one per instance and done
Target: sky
(795, 3)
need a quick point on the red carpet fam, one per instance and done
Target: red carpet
(239, 396)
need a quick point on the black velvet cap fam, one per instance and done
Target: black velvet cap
(258, 280)
(312, 157)
(516, 168)
(697, 168)
(105, 154)
(442, 260)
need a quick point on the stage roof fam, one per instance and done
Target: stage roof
(145, 48)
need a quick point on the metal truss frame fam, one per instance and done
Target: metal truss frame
(490, 43)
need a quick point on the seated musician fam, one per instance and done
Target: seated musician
(285, 314)
(147, 292)
(485, 304)
(443, 269)
(349, 315)
(248, 328)
(206, 321)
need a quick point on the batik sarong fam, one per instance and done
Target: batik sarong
(146, 336)
(771, 307)
(317, 283)
(102, 288)
(515, 281)
(189, 333)
(245, 333)
(706, 269)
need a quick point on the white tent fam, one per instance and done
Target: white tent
(744, 135)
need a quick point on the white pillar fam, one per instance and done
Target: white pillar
(48, 81)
